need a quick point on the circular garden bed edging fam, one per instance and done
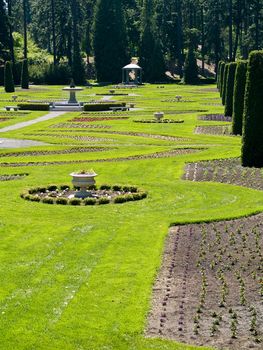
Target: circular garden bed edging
(63, 194)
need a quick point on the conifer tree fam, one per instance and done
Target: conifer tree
(4, 32)
(24, 75)
(222, 70)
(224, 83)
(230, 80)
(238, 98)
(190, 67)
(8, 78)
(109, 40)
(252, 140)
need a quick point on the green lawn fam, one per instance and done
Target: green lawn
(81, 277)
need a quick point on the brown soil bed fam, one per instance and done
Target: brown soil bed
(225, 171)
(214, 130)
(216, 117)
(96, 119)
(167, 154)
(46, 153)
(209, 288)
(4, 119)
(78, 126)
(9, 177)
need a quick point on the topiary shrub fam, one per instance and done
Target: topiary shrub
(218, 74)
(24, 75)
(52, 187)
(48, 200)
(222, 70)
(62, 200)
(105, 187)
(238, 97)
(75, 201)
(64, 187)
(120, 199)
(33, 106)
(116, 188)
(8, 78)
(252, 141)
(90, 201)
(190, 68)
(103, 200)
(230, 80)
(224, 82)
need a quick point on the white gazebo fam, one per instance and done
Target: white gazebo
(132, 73)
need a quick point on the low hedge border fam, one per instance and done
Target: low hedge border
(130, 193)
(163, 121)
(33, 106)
(102, 106)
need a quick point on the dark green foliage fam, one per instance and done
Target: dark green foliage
(101, 106)
(222, 70)
(224, 82)
(59, 74)
(33, 106)
(238, 98)
(103, 200)
(105, 187)
(62, 200)
(8, 78)
(157, 64)
(218, 74)
(109, 41)
(48, 200)
(4, 32)
(252, 141)
(190, 68)
(230, 89)
(24, 75)
(75, 201)
(89, 201)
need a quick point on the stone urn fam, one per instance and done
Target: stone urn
(158, 116)
(83, 180)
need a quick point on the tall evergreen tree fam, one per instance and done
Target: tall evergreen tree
(252, 140)
(4, 32)
(109, 40)
(230, 80)
(24, 75)
(238, 98)
(8, 78)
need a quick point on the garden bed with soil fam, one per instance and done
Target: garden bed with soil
(95, 119)
(225, 171)
(78, 126)
(209, 289)
(214, 130)
(162, 121)
(216, 117)
(9, 177)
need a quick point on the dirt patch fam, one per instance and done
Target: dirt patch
(214, 130)
(172, 153)
(78, 126)
(209, 288)
(216, 117)
(225, 171)
(9, 177)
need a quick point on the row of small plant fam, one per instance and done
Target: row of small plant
(129, 193)
(167, 121)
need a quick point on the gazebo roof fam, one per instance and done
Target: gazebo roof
(132, 66)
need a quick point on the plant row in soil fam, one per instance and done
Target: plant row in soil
(79, 126)
(209, 290)
(166, 154)
(64, 195)
(162, 121)
(216, 117)
(9, 177)
(95, 119)
(214, 130)
(225, 171)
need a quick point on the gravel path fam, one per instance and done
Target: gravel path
(21, 125)
(14, 143)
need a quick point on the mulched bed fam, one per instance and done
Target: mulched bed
(176, 100)
(214, 130)
(77, 137)
(79, 126)
(166, 154)
(10, 177)
(212, 104)
(96, 119)
(216, 117)
(4, 119)
(186, 112)
(209, 289)
(225, 171)
(162, 121)
(47, 153)
(13, 114)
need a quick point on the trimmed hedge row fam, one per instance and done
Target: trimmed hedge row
(8, 77)
(33, 106)
(224, 82)
(252, 141)
(222, 71)
(102, 106)
(238, 97)
(131, 194)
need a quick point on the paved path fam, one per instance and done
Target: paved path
(15, 143)
(21, 125)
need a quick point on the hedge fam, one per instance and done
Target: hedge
(102, 106)
(224, 82)
(33, 106)
(252, 141)
(218, 74)
(238, 98)
(230, 81)
(24, 75)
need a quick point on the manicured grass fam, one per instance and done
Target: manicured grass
(81, 277)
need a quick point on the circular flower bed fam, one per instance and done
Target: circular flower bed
(64, 195)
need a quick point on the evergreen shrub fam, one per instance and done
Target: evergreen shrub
(8, 78)
(101, 106)
(222, 70)
(238, 98)
(33, 106)
(190, 68)
(24, 75)
(230, 81)
(224, 82)
(252, 140)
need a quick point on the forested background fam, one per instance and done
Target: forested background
(90, 39)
